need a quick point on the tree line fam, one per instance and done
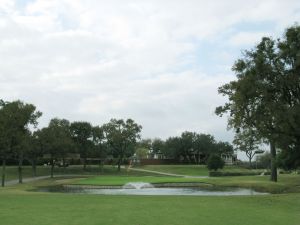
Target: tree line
(60, 138)
(189, 147)
(118, 140)
(264, 101)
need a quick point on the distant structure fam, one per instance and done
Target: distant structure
(229, 158)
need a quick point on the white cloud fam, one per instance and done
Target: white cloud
(247, 38)
(94, 60)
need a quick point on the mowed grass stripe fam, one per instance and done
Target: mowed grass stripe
(65, 209)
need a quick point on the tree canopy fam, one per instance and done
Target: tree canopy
(121, 136)
(266, 95)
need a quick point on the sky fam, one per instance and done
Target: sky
(157, 62)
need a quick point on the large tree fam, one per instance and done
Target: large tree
(266, 95)
(82, 133)
(56, 141)
(204, 145)
(157, 146)
(100, 145)
(34, 150)
(15, 119)
(121, 136)
(4, 146)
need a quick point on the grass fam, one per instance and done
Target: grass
(121, 180)
(191, 170)
(12, 171)
(286, 183)
(18, 206)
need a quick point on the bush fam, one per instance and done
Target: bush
(215, 162)
(264, 161)
(228, 173)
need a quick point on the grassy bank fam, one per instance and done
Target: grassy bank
(18, 205)
(286, 183)
(28, 208)
(194, 170)
(12, 171)
(121, 180)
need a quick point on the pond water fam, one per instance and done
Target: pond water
(186, 191)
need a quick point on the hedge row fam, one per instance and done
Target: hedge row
(244, 173)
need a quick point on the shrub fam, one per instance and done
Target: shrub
(228, 173)
(215, 162)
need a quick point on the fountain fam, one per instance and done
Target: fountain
(137, 185)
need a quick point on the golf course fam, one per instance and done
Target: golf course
(23, 204)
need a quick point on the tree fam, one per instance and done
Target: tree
(215, 162)
(141, 152)
(143, 148)
(15, 119)
(122, 136)
(266, 95)
(187, 140)
(34, 150)
(264, 160)
(172, 148)
(247, 141)
(157, 146)
(204, 145)
(82, 133)
(56, 141)
(289, 159)
(4, 146)
(99, 144)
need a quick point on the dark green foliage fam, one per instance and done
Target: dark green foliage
(248, 141)
(15, 118)
(289, 160)
(227, 173)
(215, 162)
(195, 148)
(121, 137)
(157, 146)
(264, 161)
(81, 133)
(266, 95)
(55, 140)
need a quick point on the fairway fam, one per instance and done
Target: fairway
(64, 209)
(121, 180)
(21, 205)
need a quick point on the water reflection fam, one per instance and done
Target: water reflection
(157, 191)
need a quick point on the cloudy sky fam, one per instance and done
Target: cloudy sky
(158, 62)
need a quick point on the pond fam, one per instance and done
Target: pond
(148, 190)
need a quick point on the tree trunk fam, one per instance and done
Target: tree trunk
(52, 168)
(84, 163)
(33, 163)
(119, 164)
(64, 164)
(101, 164)
(250, 163)
(3, 172)
(20, 170)
(273, 162)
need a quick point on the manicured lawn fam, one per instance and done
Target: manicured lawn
(20, 206)
(121, 180)
(286, 183)
(191, 170)
(27, 208)
(12, 171)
